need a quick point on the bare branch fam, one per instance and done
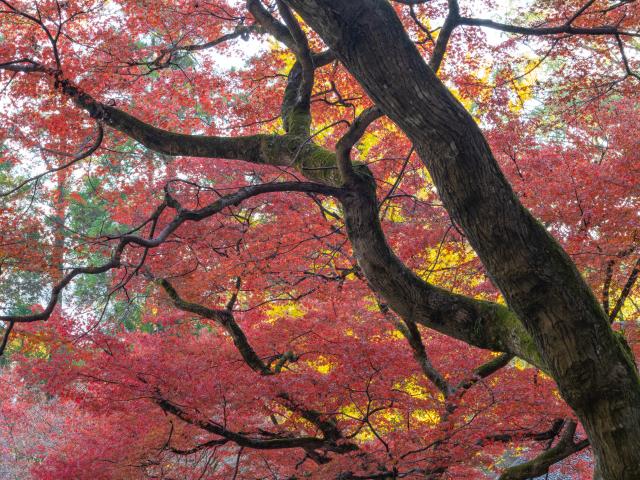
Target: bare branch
(450, 23)
(242, 439)
(5, 337)
(540, 465)
(625, 59)
(539, 31)
(225, 319)
(241, 31)
(270, 24)
(182, 216)
(351, 137)
(626, 290)
(580, 11)
(25, 65)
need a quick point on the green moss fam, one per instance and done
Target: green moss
(319, 164)
(500, 326)
(298, 122)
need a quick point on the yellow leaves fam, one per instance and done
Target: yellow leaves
(413, 388)
(322, 365)
(371, 303)
(430, 417)
(428, 189)
(543, 375)
(520, 364)
(523, 86)
(394, 214)
(523, 92)
(443, 264)
(383, 421)
(368, 141)
(352, 412)
(31, 344)
(332, 206)
(285, 56)
(396, 334)
(466, 102)
(284, 310)
(390, 419)
(628, 309)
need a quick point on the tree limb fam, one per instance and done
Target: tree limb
(225, 319)
(566, 28)
(540, 465)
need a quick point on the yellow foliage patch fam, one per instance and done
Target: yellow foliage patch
(520, 364)
(322, 365)
(284, 310)
(413, 388)
(430, 417)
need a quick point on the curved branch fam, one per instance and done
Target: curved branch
(306, 443)
(199, 447)
(483, 324)
(541, 464)
(5, 337)
(24, 65)
(450, 23)
(270, 24)
(165, 57)
(241, 31)
(225, 319)
(566, 28)
(182, 216)
(350, 138)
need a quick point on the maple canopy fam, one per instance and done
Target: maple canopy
(289, 239)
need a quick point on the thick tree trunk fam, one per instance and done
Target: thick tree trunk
(595, 373)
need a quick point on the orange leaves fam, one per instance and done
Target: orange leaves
(76, 197)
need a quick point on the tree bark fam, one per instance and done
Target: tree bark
(482, 324)
(596, 375)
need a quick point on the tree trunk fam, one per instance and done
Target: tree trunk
(595, 373)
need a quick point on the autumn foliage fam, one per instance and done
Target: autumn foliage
(247, 343)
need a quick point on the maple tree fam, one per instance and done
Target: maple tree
(390, 244)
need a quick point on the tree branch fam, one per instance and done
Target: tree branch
(5, 337)
(450, 23)
(350, 138)
(566, 28)
(182, 216)
(270, 24)
(626, 290)
(482, 324)
(245, 440)
(225, 319)
(540, 465)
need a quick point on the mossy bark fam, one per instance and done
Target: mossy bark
(541, 284)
